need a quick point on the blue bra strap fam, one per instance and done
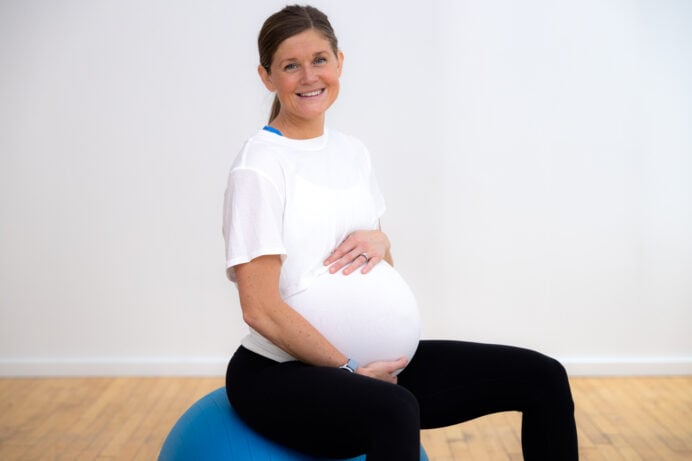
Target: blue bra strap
(271, 129)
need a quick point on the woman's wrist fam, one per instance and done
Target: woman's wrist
(351, 366)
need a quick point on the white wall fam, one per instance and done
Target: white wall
(536, 157)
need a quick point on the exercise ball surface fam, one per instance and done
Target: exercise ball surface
(211, 431)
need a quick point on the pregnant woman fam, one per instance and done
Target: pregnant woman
(334, 365)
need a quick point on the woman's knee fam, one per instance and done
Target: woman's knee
(554, 381)
(399, 404)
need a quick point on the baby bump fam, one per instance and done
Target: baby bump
(368, 317)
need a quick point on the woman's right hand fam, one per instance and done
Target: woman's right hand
(383, 370)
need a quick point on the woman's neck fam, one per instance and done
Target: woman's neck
(299, 129)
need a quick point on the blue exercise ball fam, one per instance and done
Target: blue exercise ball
(210, 430)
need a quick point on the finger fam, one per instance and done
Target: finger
(347, 246)
(389, 366)
(387, 377)
(347, 260)
(338, 259)
(335, 267)
(337, 254)
(360, 260)
(399, 364)
(370, 264)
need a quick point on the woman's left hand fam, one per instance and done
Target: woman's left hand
(362, 248)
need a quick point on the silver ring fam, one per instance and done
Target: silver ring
(365, 255)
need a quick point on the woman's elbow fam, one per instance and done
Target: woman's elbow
(253, 318)
(258, 319)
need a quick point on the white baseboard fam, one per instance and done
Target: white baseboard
(125, 366)
(216, 366)
(627, 366)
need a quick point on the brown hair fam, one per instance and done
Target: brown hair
(290, 21)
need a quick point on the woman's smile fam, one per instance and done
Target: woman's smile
(311, 94)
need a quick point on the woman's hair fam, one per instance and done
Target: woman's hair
(290, 21)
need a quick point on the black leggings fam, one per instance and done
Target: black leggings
(330, 412)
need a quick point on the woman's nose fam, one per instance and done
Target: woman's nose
(309, 75)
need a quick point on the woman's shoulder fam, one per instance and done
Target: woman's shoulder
(345, 139)
(258, 153)
(347, 143)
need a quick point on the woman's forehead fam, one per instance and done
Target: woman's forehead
(309, 42)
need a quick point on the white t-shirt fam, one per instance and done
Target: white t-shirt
(300, 199)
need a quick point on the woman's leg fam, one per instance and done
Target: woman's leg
(324, 411)
(457, 381)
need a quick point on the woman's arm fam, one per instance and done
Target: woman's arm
(265, 312)
(268, 314)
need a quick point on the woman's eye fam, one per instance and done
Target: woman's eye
(320, 60)
(290, 67)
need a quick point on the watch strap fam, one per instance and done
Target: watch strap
(350, 366)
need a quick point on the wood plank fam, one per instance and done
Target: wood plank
(619, 419)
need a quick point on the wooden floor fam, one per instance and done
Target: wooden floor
(128, 419)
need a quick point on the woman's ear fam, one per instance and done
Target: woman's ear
(266, 78)
(340, 66)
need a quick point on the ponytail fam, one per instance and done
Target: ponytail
(276, 108)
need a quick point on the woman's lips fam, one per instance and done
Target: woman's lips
(311, 94)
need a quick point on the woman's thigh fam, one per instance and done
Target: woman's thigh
(320, 410)
(455, 381)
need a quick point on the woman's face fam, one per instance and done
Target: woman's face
(305, 75)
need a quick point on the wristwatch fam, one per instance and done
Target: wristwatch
(351, 366)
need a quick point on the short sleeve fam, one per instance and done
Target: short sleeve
(252, 218)
(377, 197)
